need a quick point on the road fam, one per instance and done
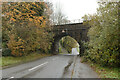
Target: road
(58, 66)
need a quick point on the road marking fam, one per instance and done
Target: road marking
(37, 66)
(11, 77)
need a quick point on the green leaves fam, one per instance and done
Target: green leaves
(68, 43)
(104, 35)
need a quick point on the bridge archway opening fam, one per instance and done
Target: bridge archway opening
(56, 44)
(67, 44)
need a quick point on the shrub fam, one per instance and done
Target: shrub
(6, 52)
(104, 42)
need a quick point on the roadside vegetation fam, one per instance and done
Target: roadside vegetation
(26, 31)
(103, 47)
(12, 61)
(106, 72)
(27, 36)
(25, 28)
(68, 43)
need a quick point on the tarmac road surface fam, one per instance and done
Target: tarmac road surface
(58, 66)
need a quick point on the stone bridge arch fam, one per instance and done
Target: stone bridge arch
(78, 31)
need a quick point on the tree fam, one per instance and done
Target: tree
(68, 43)
(58, 17)
(25, 27)
(104, 34)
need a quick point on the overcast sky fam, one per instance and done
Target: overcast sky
(75, 9)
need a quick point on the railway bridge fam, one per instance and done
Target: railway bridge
(78, 31)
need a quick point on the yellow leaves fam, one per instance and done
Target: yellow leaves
(44, 23)
(33, 12)
(16, 46)
(12, 19)
(27, 23)
(7, 13)
(16, 10)
(30, 19)
(33, 3)
(41, 18)
(26, 12)
(38, 18)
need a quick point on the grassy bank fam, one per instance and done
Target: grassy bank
(11, 61)
(105, 72)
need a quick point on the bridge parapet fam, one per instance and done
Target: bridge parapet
(74, 30)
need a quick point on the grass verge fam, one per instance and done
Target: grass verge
(11, 61)
(105, 72)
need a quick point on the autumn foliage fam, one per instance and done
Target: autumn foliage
(25, 27)
(16, 46)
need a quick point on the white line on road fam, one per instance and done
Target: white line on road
(37, 66)
(11, 77)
